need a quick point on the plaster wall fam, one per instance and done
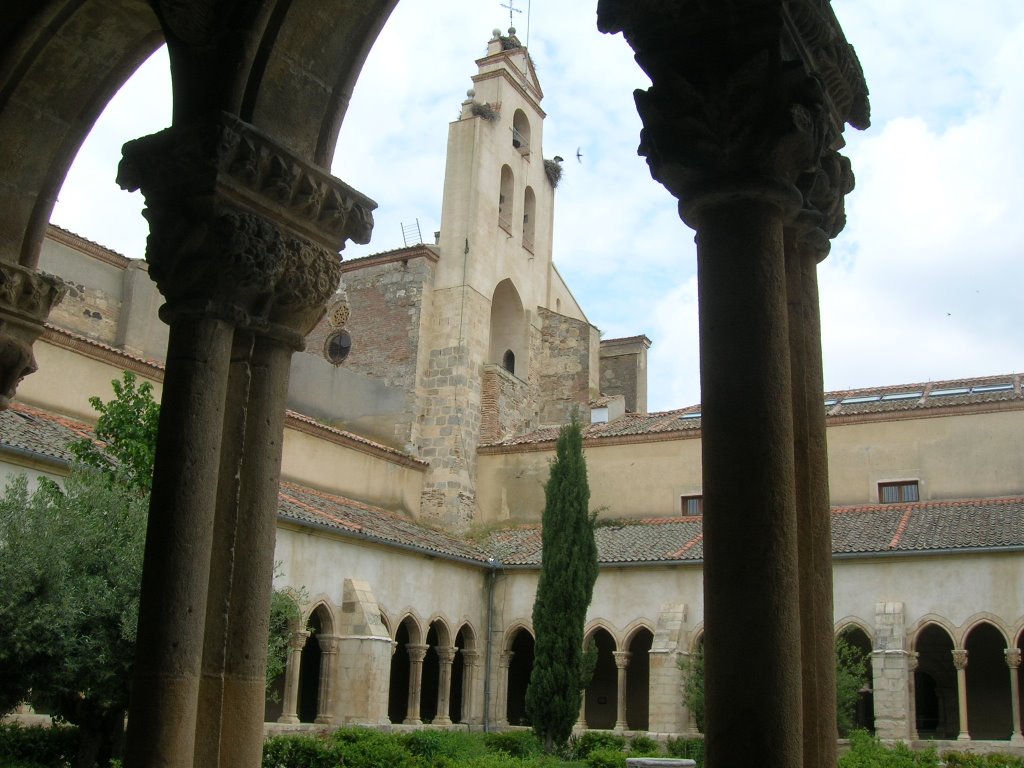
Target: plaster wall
(941, 453)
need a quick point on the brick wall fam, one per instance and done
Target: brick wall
(506, 406)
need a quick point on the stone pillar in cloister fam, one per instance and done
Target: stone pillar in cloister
(327, 687)
(290, 704)
(666, 711)
(621, 667)
(445, 657)
(26, 298)
(741, 124)
(364, 658)
(892, 674)
(960, 662)
(244, 241)
(1013, 663)
(470, 660)
(501, 692)
(417, 653)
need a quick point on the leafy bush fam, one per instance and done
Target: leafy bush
(691, 749)
(52, 747)
(868, 752)
(968, 760)
(606, 757)
(595, 740)
(644, 746)
(300, 751)
(365, 748)
(436, 747)
(514, 743)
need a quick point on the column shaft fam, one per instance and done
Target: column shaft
(960, 662)
(750, 543)
(469, 662)
(416, 655)
(290, 705)
(444, 683)
(179, 538)
(813, 514)
(621, 666)
(328, 670)
(1013, 662)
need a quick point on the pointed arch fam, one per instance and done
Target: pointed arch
(520, 666)
(509, 330)
(935, 682)
(988, 682)
(602, 695)
(638, 677)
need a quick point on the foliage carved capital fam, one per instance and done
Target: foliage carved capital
(26, 298)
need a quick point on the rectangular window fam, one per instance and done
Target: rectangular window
(692, 505)
(892, 493)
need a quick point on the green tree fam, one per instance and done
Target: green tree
(851, 676)
(568, 573)
(693, 684)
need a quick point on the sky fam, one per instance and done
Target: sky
(922, 285)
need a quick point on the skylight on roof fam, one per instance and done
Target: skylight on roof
(861, 399)
(991, 388)
(902, 395)
(947, 392)
(690, 415)
(830, 402)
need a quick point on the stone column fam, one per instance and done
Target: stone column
(1013, 662)
(243, 245)
(892, 674)
(328, 672)
(807, 242)
(501, 705)
(912, 663)
(445, 657)
(746, 98)
(470, 659)
(26, 298)
(960, 662)
(581, 719)
(290, 705)
(416, 655)
(621, 665)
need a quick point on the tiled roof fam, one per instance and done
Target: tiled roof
(31, 429)
(903, 398)
(348, 517)
(856, 530)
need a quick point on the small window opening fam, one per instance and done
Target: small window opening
(901, 491)
(338, 346)
(508, 361)
(692, 505)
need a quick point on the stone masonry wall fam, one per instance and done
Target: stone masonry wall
(891, 673)
(506, 406)
(450, 394)
(564, 366)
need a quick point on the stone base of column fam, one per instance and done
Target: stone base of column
(287, 720)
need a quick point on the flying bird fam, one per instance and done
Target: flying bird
(579, 155)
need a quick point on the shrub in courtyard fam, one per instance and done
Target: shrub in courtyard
(436, 746)
(365, 748)
(514, 743)
(606, 758)
(969, 760)
(643, 745)
(691, 749)
(300, 751)
(35, 746)
(868, 752)
(592, 741)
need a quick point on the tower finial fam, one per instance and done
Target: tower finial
(511, 5)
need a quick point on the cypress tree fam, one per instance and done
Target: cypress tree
(568, 573)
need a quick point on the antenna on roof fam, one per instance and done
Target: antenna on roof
(411, 234)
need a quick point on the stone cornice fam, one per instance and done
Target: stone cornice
(427, 252)
(306, 425)
(520, 89)
(88, 247)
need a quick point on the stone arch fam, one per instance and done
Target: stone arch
(321, 604)
(983, 617)
(848, 623)
(935, 682)
(521, 132)
(988, 682)
(463, 673)
(407, 632)
(312, 702)
(506, 192)
(529, 218)
(601, 696)
(519, 647)
(696, 638)
(438, 639)
(638, 677)
(509, 329)
(856, 634)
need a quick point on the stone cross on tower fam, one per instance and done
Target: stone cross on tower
(511, 5)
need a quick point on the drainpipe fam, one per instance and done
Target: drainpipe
(491, 574)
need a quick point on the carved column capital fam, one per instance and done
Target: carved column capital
(297, 640)
(739, 110)
(240, 228)
(959, 658)
(505, 659)
(1012, 657)
(26, 298)
(622, 658)
(470, 658)
(445, 654)
(329, 644)
(417, 652)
